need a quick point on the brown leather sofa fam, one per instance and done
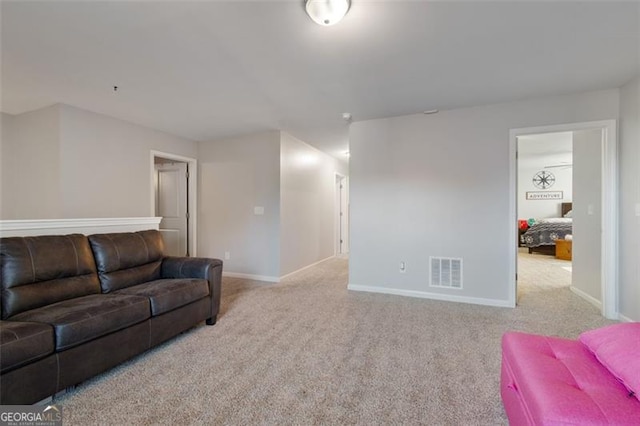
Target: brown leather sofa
(74, 306)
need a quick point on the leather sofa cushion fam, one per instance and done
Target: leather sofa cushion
(85, 318)
(168, 294)
(39, 271)
(24, 342)
(127, 258)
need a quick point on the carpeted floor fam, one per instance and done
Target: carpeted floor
(307, 351)
(540, 273)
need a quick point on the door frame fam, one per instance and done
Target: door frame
(192, 191)
(609, 200)
(338, 220)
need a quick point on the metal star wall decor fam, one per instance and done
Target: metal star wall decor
(544, 179)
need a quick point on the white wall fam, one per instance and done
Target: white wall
(7, 136)
(307, 204)
(629, 244)
(31, 165)
(438, 185)
(64, 162)
(528, 166)
(105, 164)
(6, 133)
(291, 180)
(587, 213)
(236, 175)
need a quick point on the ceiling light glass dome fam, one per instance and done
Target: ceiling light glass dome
(327, 12)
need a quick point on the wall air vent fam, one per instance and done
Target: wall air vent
(445, 272)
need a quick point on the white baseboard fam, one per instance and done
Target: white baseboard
(270, 278)
(624, 318)
(434, 296)
(306, 267)
(595, 302)
(251, 277)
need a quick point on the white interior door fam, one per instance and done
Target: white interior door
(342, 202)
(171, 205)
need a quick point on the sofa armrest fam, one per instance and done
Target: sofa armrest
(197, 267)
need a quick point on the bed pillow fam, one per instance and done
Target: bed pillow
(617, 347)
(555, 220)
(568, 214)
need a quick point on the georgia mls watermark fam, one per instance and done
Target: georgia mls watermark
(30, 415)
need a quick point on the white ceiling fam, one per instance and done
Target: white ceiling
(207, 70)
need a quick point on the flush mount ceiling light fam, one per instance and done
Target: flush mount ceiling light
(327, 12)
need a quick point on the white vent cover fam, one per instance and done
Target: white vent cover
(445, 272)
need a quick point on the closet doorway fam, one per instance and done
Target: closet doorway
(174, 189)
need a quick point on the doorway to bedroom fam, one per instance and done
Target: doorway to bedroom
(544, 210)
(563, 181)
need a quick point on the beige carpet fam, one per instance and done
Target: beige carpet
(307, 351)
(540, 273)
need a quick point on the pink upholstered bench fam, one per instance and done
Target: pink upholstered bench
(591, 381)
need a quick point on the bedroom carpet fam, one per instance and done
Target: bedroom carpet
(539, 272)
(307, 351)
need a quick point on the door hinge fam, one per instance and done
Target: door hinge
(187, 174)
(187, 215)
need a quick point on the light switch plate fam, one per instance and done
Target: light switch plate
(258, 210)
(638, 209)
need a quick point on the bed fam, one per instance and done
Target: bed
(541, 237)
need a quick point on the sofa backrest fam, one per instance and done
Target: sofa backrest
(39, 271)
(127, 258)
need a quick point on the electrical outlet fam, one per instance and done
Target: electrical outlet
(403, 267)
(227, 255)
(638, 209)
